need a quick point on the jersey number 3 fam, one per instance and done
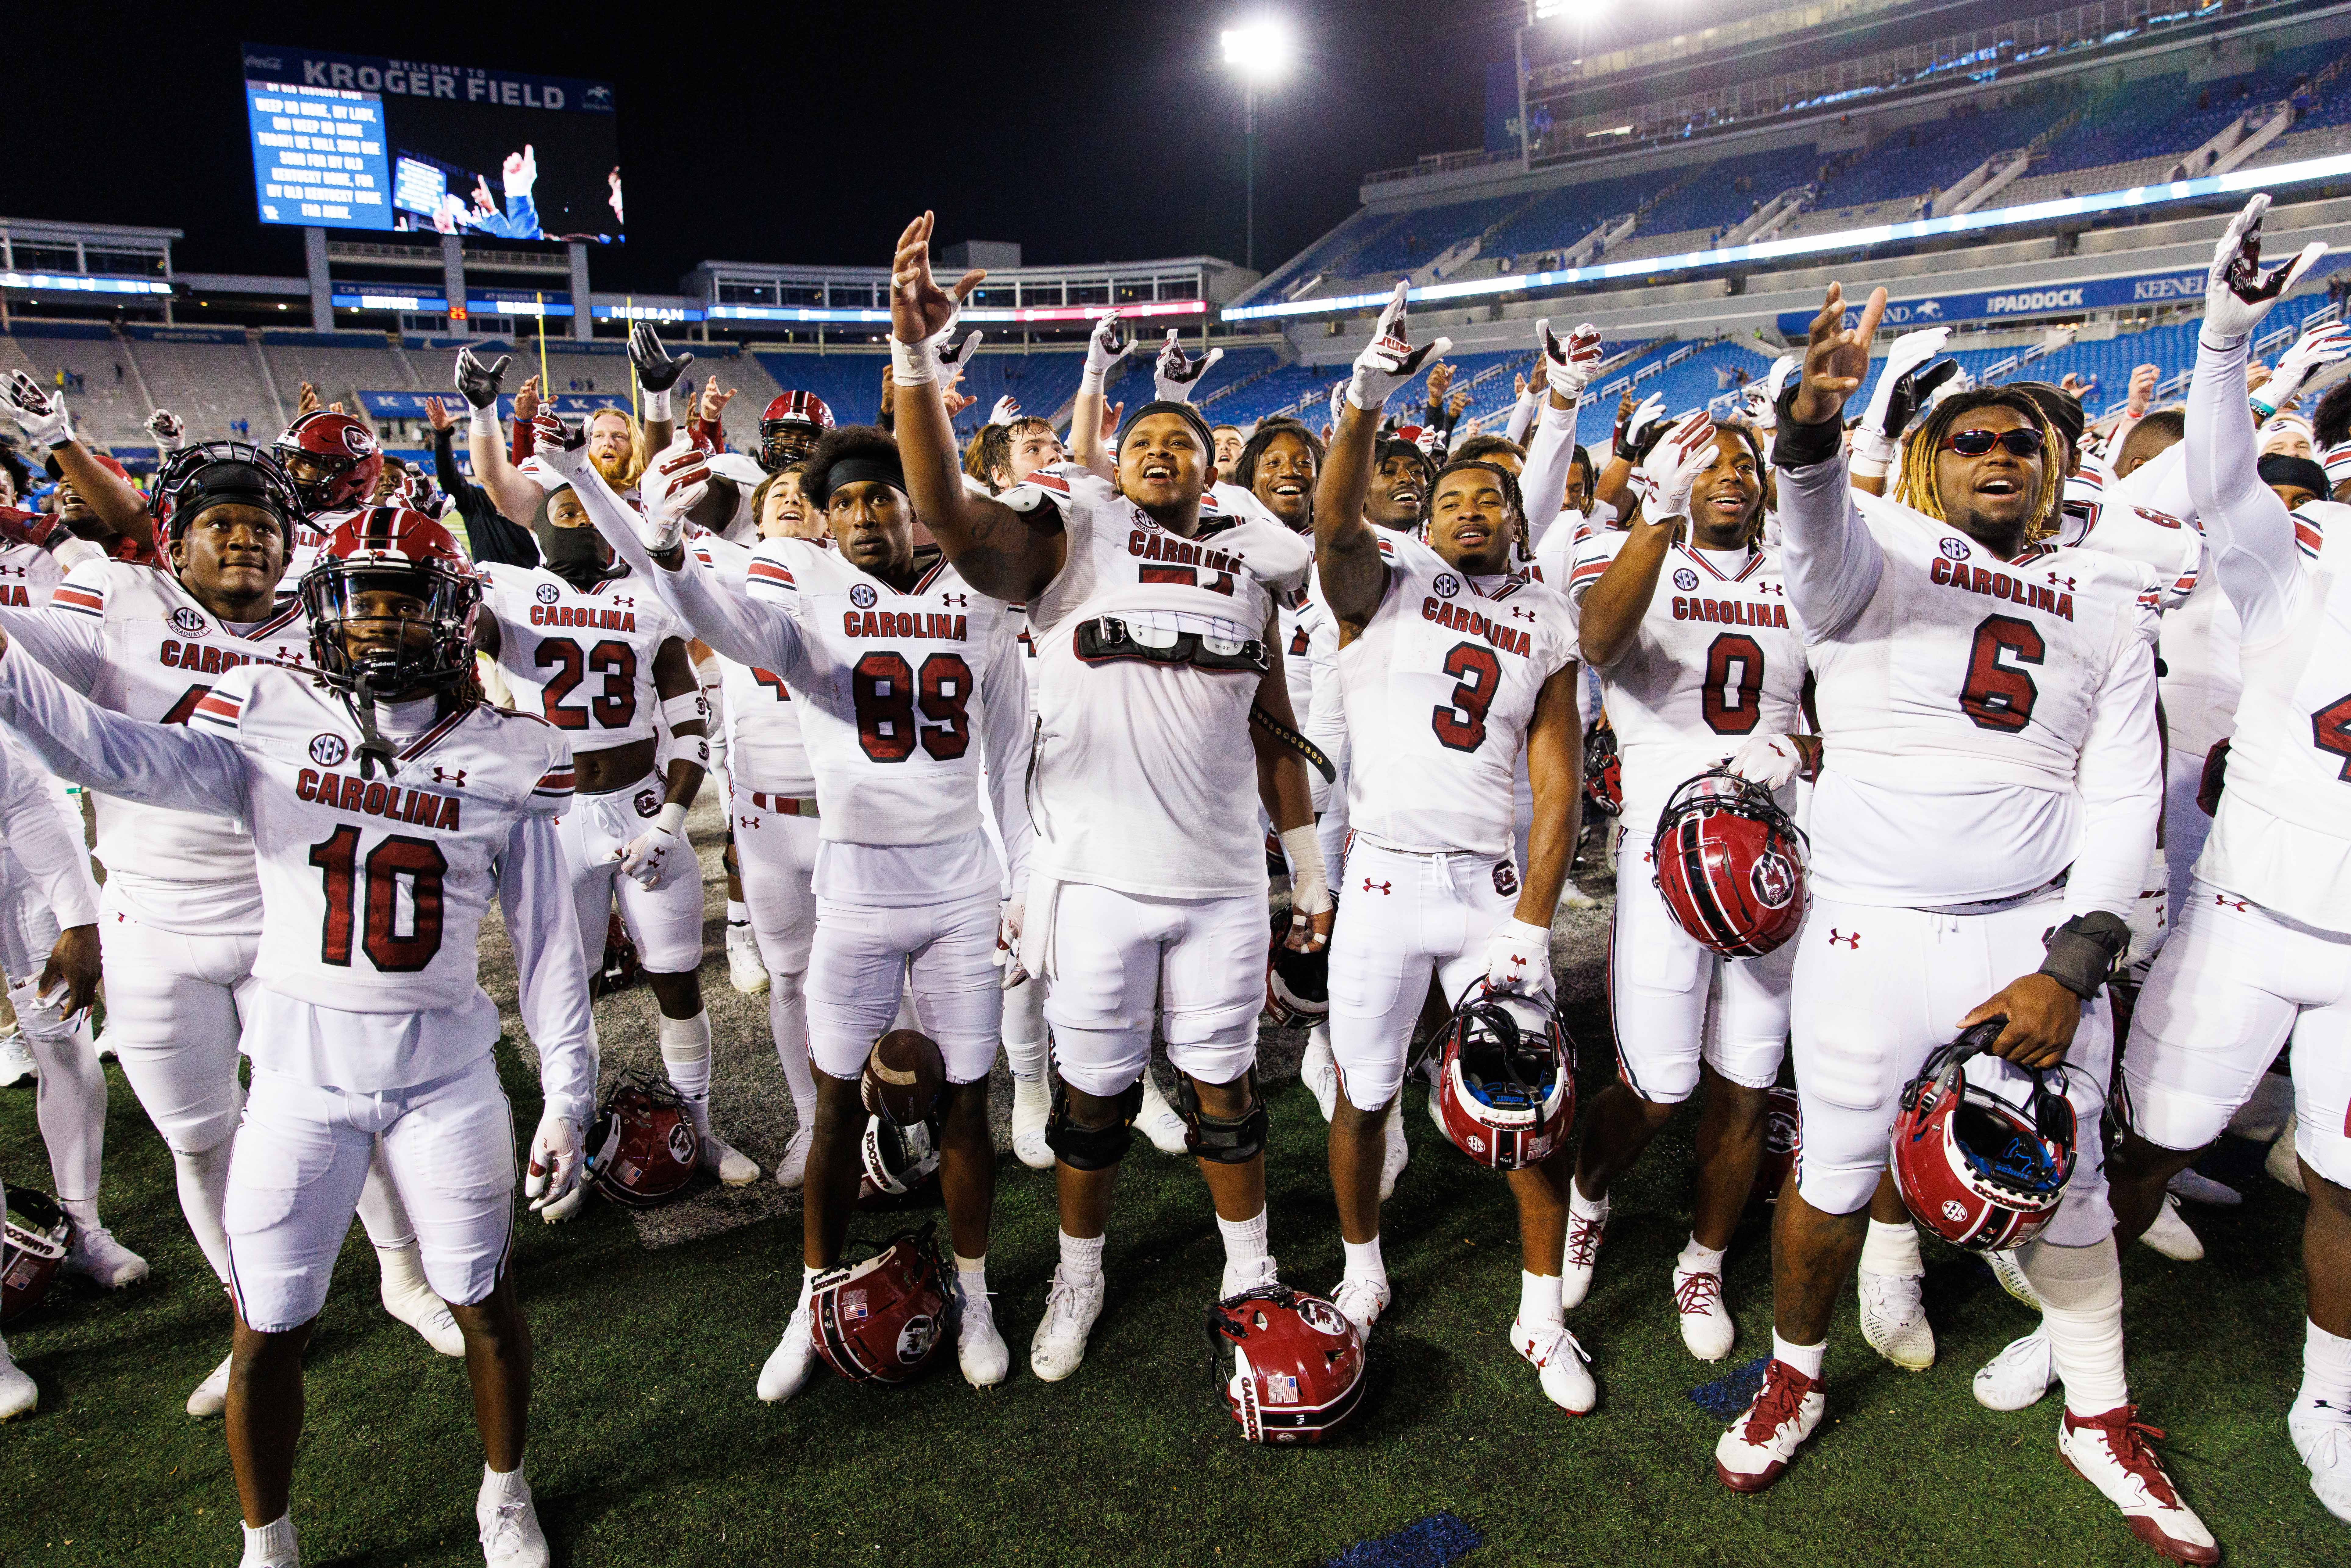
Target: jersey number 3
(1461, 724)
(400, 857)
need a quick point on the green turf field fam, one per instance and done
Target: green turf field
(649, 1448)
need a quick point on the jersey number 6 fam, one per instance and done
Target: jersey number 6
(1998, 694)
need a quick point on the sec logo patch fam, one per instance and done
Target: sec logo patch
(188, 623)
(330, 750)
(1954, 549)
(863, 596)
(1686, 580)
(548, 593)
(1446, 585)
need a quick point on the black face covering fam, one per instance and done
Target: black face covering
(576, 554)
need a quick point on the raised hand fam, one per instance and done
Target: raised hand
(170, 431)
(526, 401)
(715, 399)
(1670, 472)
(1007, 410)
(2237, 292)
(477, 383)
(674, 485)
(920, 310)
(1638, 425)
(438, 416)
(1570, 365)
(520, 171)
(1389, 361)
(1901, 390)
(657, 371)
(307, 400)
(1106, 345)
(1176, 373)
(2143, 382)
(42, 414)
(1836, 358)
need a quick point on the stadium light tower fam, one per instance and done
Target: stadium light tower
(1259, 51)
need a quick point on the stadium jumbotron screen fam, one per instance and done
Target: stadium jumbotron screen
(361, 141)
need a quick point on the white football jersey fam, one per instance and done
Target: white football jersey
(1717, 657)
(582, 659)
(27, 573)
(136, 642)
(1144, 777)
(765, 752)
(1440, 690)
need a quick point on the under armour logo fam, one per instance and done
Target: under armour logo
(960, 600)
(1385, 887)
(747, 821)
(1772, 588)
(2066, 582)
(455, 780)
(2239, 904)
(1522, 612)
(1851, 941)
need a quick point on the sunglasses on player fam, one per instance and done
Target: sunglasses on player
(1976, 443)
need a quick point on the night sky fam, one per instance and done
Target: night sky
(798, 133)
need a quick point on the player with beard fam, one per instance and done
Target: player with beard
(1439, 726)
(1152, 612)
(182, 906)
(369, 1024)
(1686, 693)
(587, 647)
(883, 648)
(2016, 709)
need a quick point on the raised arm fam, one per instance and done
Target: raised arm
(994, 547)
(42, 414)
(1568, 367)
(179, 765)
(36, 835)
(1613, 605)
(1346, 551)
(515, 494)
(1831, 560)
(657, 371)
(67, 633)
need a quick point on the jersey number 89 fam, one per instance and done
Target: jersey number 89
(888, 695)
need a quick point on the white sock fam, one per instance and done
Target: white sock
(2082, 1310)
(1893, 1250)
(275, 1539)
(971, 1277)
(1363, 1260)
(1805, 1358)
(2326, 1367)
(1082, 1259)
(1026, 1059)
(1585, 1207)
(403, 1265)
(83, 1211)
(686, 1056)
(738, 913)
(1700, 1258)
(1539, 1298)
(505, 1486)
(809, 1273)
(1245, 1246)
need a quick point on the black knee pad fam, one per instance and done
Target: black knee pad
(1092, 1149)
(1228, 1141)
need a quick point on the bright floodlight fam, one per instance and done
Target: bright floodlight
(1260, 50)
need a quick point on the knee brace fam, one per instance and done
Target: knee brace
(1228, 1141)
(1092, 1149)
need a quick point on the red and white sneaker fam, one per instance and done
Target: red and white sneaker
(1582, 1254)
(1706, 1328)
(1750, 1456)
(2114, 1453)
(1564, 1364)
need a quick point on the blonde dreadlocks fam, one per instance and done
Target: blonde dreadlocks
(1917, 489)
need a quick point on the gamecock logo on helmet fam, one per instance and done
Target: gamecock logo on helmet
(360, 442)
(1774, 880)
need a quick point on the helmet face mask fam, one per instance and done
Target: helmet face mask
(212, 472)
(643, 1151)
(1973, 1169)
(332, 460)
(392, 604)
(791, 427)
(39, 1234)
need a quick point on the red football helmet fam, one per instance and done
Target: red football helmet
(33, 1249)
(1604, 770)
(333, 460)
(1297, 985)
(1974, 1169)
(1505, 1079)
(791, 428)
(896, 1160)
(882, 1321)
(393, 547)
(643, 1151)
(1731, 864)
(1783, 1135)
(1297, 1369)
(618, 968)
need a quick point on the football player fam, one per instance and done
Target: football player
(587, 646)
(1975, 687)
(395, 806)
(336, 467)
(1453, 667)
(885, 651)
(1710, 670)
(182, 908)
(95, 495)
(2262, 953)
(1153, 612)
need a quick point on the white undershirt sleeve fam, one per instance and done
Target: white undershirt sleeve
(2120, 775)
(1542, 482)
(550, 966)
(160, 765)
(52, 857)
(2247, 528)
(1831, 560)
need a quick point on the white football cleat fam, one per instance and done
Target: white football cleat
(792, 1169)
(1319, 1070)
(2168, 1234)
(1032, 1103)
(1398, 1156)
(746, 970)
(2322, 1435)
(2197, 1187)
(729, 1165)
(1757, 1448)
(1566, 1369)
(17, 1063)
(1706, 1328)
(2113, 1453)
(1361, 1298)
(2283, 1164)
(1894, 1320)
(980, 1351)
(1158, 1120)
(211, 1397)
(1573, 897)
(1582, 1255)
(98, 1258)
(1059, 1344)
(510, 1534)
(18, 1394)
(785, 1370)
(1239, 1277)
(2011, 1275)
(408, 1298)
(2018, 1376)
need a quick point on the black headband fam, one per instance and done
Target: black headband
(854, 470)
(2280, 468)
(1192, 416)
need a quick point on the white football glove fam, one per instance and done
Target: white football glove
(1642, 427)
(41, 413)
(1769, 760)
(1518, 959)
(1388, 362)
(937, 359)
(478, 383)
(1338, 401)
(552, 1182)
(2237, 292)
(1670, 472)
(2317, 348)
(1008, 945)
(559, 444)
(170, 431)
(1908, 352)
(1005, 411)
(1763, 398)
(1105, 347)
(1569, 366)
(1177, 372)
(671, 488)
(652, 858)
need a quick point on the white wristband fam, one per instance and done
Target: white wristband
(657, 405)
(912, 364)
(1091, 380)
(485, 422)
(671, 818)
(1873, 453)
(687, 707)
(1310, 884)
